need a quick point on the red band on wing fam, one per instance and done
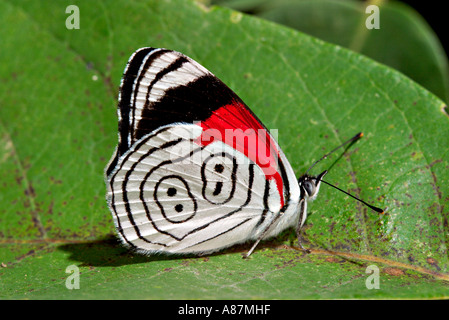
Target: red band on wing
(235, 126)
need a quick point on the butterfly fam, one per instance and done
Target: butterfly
(195, 170)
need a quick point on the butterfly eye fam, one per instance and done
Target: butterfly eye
(310, 188)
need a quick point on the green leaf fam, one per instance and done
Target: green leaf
(58, 128)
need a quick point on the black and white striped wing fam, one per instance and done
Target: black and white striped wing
(170, 194)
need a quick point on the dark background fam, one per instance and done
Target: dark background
(436, 13)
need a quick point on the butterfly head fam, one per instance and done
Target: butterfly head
(310, 185)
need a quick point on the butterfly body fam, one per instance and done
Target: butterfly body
(195, 171)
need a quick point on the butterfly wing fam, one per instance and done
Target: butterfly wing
(194, 170)
(170, 194)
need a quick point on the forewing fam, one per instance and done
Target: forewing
(161, 87)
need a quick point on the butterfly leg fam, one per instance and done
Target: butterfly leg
(302, 211)
(264, 233)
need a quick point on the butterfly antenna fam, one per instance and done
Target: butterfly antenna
(353, 139)
(379, 210)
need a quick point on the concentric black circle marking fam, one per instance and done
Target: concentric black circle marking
(218, 174)
(170, 195)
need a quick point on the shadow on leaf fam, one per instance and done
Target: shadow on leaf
(109, 252)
